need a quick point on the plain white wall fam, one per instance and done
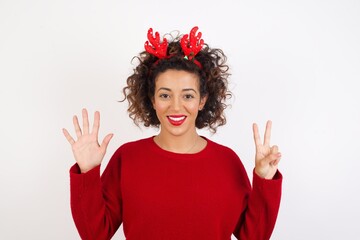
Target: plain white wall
(295, 62)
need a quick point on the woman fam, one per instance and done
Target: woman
(176, 185)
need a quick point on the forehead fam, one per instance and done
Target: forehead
(174, 79)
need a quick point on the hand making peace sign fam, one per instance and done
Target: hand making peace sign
(266, 157)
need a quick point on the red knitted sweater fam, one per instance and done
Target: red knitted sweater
(160, 195)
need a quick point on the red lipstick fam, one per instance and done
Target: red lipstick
(176, 120)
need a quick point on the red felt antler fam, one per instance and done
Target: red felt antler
(193, 45)
(158, 49)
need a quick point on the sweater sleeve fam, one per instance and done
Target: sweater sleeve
(96, 201)
(262, 208)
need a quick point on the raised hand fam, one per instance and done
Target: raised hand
(86, 149)
(266, 157)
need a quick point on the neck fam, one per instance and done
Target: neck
(178, 144)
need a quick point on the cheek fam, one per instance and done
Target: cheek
(193, 107)
(159, 106)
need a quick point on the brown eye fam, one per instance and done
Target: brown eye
(188, 96)
(164, 95)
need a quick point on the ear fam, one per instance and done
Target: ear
(202, 102)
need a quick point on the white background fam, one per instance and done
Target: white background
(295, 62)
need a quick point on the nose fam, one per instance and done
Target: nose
(176, 104)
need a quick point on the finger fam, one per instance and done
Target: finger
(85, 121)
(77, 127)
(106, 141)
(96, 124)
(276, 162)
(68, 136)
(271, 158)
(257, 139)
(274, 149)
(267, 135)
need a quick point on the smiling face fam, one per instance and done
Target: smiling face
(177, 102)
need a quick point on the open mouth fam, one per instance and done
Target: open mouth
(176, 120)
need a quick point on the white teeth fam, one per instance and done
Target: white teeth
(177, 119)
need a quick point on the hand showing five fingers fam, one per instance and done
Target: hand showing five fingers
(86, 149)
(267, 157)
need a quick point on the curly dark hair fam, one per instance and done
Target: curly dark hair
(213, 77)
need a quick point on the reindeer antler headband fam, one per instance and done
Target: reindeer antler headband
(190, 44)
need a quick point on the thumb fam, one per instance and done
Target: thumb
(106, 141)
(274, 155)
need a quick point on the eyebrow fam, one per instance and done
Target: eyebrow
(184, 90)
